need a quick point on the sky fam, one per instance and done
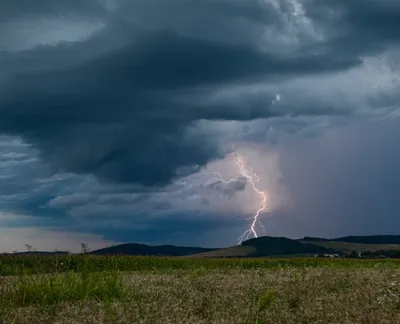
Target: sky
(114, 114)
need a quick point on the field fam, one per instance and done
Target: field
(349, 246)
(120, 289)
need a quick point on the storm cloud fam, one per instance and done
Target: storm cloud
(128, 112)
(112, 104)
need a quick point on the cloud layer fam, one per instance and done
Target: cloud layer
(113, 105)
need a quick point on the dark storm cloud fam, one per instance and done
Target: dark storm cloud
(177, 229)
(23, 24)
(378, 19)
(23, 9)
(362, 26)
(127, 110)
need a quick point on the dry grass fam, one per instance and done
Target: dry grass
(314, 295)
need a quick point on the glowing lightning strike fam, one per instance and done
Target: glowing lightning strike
(246, 171)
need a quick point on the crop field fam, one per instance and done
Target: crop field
(120, 289)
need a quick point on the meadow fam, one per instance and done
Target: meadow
(123, 289)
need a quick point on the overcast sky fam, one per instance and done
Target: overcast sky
(114, 113)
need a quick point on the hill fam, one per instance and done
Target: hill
(366, 239)
(370, 239)
(350, 246)
(262, 247)
(259, 247)
(142, 249)
(358, 243)
(269, 246)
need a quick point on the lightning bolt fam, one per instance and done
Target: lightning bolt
(247, 172)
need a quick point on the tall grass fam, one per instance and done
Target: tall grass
(297, 291)
(46, 290)
(34, 264)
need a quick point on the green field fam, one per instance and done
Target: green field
(349, 246)
(120, 289)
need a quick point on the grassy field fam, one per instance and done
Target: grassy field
(350, 246)
(91, 289)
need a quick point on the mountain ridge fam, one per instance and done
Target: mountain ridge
(257, 247)
(143, 249)
(266, 246)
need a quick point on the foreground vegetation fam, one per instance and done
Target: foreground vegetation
(34, 264)
(90, 289)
